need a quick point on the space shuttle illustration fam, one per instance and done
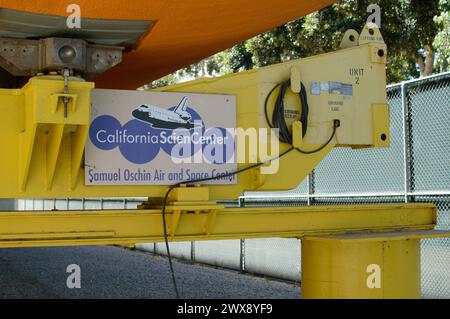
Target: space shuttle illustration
(165, 119)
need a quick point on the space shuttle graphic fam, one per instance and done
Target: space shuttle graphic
(165, 119)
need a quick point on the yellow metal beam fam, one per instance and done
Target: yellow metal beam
(364, 265)
(186, 223)
(43, 149)
(360, 270)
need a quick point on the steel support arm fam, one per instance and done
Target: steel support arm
(186, 223)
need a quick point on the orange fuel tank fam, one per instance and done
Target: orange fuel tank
(182, 32)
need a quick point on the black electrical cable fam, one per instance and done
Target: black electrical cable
(336, 124)
(279, 118)
(278, 115)
(278, 121)
(200, 180)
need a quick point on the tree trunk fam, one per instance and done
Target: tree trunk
(444, 65)
(421, 64)
(429, 60)
(426, 63)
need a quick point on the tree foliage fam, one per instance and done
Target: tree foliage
(442, 39)
(416, 32)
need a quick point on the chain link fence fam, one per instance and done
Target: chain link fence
(416, 168)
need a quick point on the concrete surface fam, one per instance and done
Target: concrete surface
(114, 272)
(7, 204)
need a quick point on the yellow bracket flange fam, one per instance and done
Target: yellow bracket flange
(56, 102)
(44, 119)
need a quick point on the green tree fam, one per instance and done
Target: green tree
(407, 26)
(164, 81)
(415, 31)
(442, 39)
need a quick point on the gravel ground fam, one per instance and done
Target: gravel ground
(114, 272)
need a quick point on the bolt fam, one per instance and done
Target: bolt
(67, 54)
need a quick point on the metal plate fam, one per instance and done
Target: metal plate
(24, 25)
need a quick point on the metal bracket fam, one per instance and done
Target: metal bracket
(370, 34)
(23, 57)
(297, 134)
(350, 39)
(52, 125)
(296, 80)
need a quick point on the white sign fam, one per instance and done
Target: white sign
(159, 138)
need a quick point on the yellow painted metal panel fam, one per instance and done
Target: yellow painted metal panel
(381, 127)
(129, 227)
(388, 236)
(33, 140)
(343, 269)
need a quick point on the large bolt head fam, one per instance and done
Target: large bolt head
(67, 54)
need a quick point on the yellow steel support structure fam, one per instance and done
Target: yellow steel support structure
(349, 266)
(348, 251)
(190, 221)
(340, 244)
(43, 149)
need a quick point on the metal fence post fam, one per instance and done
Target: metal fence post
(406, 142)
(192, 250)
(241, 203)
(310, 182)
(242, 256)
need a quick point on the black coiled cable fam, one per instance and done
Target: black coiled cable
(278, 115)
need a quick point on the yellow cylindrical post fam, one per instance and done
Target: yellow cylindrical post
(365, 268)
